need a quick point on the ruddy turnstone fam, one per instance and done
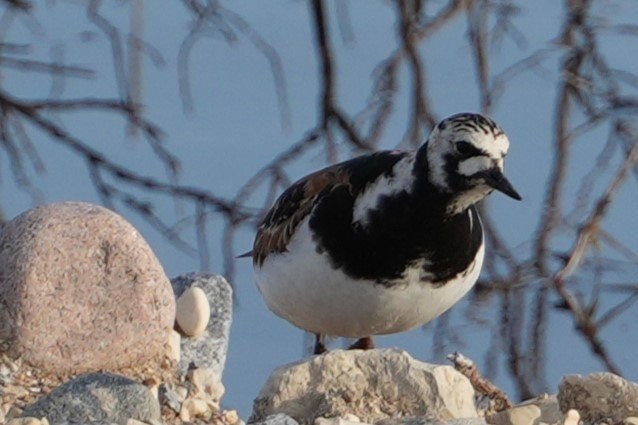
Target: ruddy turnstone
(384, 242)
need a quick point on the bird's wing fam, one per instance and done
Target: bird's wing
(298, 201)
(292, 206)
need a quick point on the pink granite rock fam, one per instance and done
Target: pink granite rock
(81, 290)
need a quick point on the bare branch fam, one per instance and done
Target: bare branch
(421, 113)
(482, 385)
(95, 158)
(567, 89)
(46, 67)
(592, 224)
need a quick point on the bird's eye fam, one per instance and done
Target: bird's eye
(464, 148)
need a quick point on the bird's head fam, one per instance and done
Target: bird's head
(465, 154)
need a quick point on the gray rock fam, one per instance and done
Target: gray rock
(96, 397)
(599, 397)
(208, 350)
(170, 398)
(277, 419)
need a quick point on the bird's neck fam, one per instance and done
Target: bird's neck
(429, 195)
(430, 188)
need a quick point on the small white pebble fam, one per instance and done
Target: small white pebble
(192, 312)
(181, 392)
(4, 370)
(572, 417)
(231, 417)
(194, 408)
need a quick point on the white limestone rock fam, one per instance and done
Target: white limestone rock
(194, 408)
(205, 383)
(519, 415)
(572, 417)
(373, 385)
(543, 408)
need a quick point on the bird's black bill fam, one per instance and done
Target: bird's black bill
(498, 181)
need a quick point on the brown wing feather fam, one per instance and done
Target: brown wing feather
(292, 206)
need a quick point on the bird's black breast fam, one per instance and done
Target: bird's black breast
(403, 230)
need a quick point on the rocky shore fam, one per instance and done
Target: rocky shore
(92, 332)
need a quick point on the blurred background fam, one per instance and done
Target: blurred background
(189, 118)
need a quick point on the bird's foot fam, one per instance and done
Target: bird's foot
(320, 345)
(362, 344)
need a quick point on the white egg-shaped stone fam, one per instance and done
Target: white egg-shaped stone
(192, 312)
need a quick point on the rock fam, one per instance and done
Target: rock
(171, 398)
(5, 374)
(28, 421)
(97, 397)
(12, 412)
(599, 397)
(352, 418)
(194, 408)
(431, 421)
(192, 312)
(174, 343)
(338, 421)
(540, 409)
(208, 350)
(197, 397)
(206, 391)
(81, 291)
(519, 415)
(572, 417)
(205, 384)
(373, 385)
(231, 417)
(276, 419)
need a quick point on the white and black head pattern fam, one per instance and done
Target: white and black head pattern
(465, 155)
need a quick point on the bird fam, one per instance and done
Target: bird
(384, 242)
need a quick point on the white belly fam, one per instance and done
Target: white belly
(301, 286)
